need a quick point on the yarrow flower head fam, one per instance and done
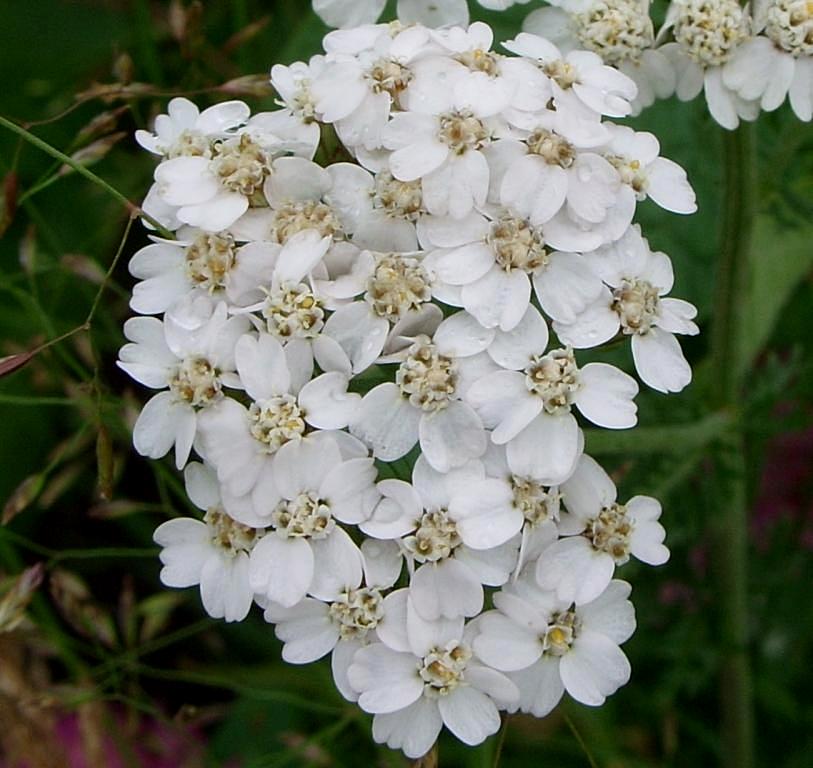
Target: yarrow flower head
(354, 360)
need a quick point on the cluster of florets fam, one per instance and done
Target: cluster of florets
(743, 57)
(361, 354)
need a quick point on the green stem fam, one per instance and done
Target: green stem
(500, 743)
(83, 171)
(730, 529)
(670, 438)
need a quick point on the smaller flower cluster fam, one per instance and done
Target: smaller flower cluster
(379, 365)
(744, 58)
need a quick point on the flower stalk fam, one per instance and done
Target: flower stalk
(730, 530)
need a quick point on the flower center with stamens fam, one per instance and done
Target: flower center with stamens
(241, 165)
(560, 634)
(196, 381)
(710, 30)
(229, 535)
(478, 60)
(275, 421)
(388, 76)
(291, 218)
(637, 303)
(356, 612)
(190, 143)
(617, 30)
(551, 147)
(400, 199)
(291, 310)
(537, 503)
(209, 259)
(306, 516)
(517, 245)
(790, 26)
(442, 669)
(397, 286)
(554, 378)
(426, 377)
(562, 73)
(462, 131)
(631, 173)
(610, 532)
(435, 538)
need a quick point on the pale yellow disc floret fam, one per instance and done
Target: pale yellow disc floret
(305, 517)
(555, 379)
(426, 377)
(442, 669)
(617, 30)
(209, 259)
(196, 382)
(710, 30)
(435, 538)
(356, 612)
(227, 534)
(790, 26)
(637, 304)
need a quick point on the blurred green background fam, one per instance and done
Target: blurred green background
(107, 668)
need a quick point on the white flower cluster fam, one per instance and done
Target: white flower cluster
(312, 324)
(744, 58)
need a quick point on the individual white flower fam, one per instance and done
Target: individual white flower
(636, 304)
(212, 262)
(193, 364)
(635, 155)
(430, 678)
(487, 264)
(423, 404)
(620, 32)
(340, 626)
(529, 404)
(455, 540)
(294, 310)
(599, 534)
(706, 36)
(578, 75)
(292, 84)
(394, 309)
(779, 64)
(538, 503)
(186, 131)
(475, 78)
(306, 552)
(443, 151)
(368, 71)
(241, 441)
(213, 553)
(379, 211)
(548, 646)
(212, 192)
(559, 180)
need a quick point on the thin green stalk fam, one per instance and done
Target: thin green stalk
(730, 529)
(575, 731)
(671, 438)
(500, 743)
(83, 171)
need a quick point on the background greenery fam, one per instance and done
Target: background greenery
(106, 659)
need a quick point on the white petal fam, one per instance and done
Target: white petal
(606, 396)
(451, 436)
(447, 589)
(337, 565)
(281, 569)
(546, 450)
(386, 422)
(594, 668)
(485, 514)
(387, 681)
(469, 714)
(660, 362)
